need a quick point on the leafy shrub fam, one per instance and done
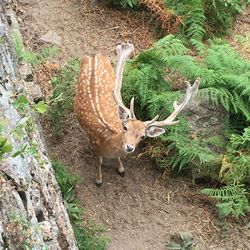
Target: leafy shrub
(233, 199)
(236, 161)
(199, 17)
(23, 125)
(62, 97)
(28, 56)
(89, 236)
(126, 3)
(153, 75)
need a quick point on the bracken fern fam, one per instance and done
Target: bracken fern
(233, 199)
(153, 75)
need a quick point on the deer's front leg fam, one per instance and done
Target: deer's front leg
(98, 179)
(120, 168)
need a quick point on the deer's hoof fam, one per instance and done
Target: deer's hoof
(122, 174)
(98, 184)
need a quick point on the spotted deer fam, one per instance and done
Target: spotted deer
(112, 128)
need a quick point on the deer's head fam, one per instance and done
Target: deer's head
(134, 130)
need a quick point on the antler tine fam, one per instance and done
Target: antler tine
(148, 123)
(123, 51)
(132, 111)
(190, 93)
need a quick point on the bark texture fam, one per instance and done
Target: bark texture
(32, 214)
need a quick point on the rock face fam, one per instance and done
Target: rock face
(32, 214)
(207, 123)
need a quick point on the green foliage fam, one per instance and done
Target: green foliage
(5, 146)
(206, 16)
(233, 199)
(153, 75)
(65, 179)
(22, 233)
(89, 237)
(223, 83)
(41, 107)
(200, 18)
(126, 3)
(217, 140)
(221, 14)
(2, 40)
(236, 161)
(189, 150)
(23, 105)
(193, 15)
(27, 56)
(25, 124)
(63, 94)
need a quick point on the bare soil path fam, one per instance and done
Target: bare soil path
(145, 209)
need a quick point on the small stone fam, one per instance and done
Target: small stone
(186, 236)
(52, 37)
(34, 91)
(26, 72)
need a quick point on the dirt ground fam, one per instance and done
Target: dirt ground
(145, 209)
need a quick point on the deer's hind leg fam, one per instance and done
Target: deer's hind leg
(120, 168)
(98, 179)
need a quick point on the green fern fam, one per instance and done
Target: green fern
(126, 3)
(200, 18)
(235, 166)
(221, 14)
(151, 78)
(233, 199)
(189, 151)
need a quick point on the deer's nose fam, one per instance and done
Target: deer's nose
(129, 148)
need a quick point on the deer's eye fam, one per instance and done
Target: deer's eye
(125, 129)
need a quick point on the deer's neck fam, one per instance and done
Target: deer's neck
(117, 145)
(111, 147)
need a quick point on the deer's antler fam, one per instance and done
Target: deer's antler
(123, 51)
(190, 92)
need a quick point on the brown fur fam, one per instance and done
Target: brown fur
(101, 122)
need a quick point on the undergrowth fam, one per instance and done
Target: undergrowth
(89, 235)
(25, 55)
(151, 78)
(233, 199)
(153, 75)
(199, 18)
(63, 94)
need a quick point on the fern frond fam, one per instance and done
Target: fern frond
(233, 199)
(223, 84)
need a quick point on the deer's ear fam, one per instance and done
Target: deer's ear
(124, 116)
(154, 131)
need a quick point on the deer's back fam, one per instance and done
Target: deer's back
(94, 103)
